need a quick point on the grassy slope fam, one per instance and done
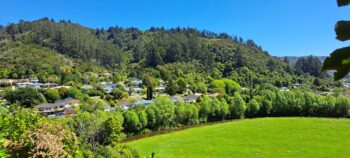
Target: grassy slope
(267, 137)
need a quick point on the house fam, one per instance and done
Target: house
(111, 85)
(108, 86)
(86, 87)
(160, 89)
(192, 98)
(108, 90)
(161, 83)
(134, 82)
(28, 85)
(59, 87)
(143, 102)
(125, 104)
(35, 81)
(284, 89)
(176, 98)
(6, 82)
(137, 90)
(58, 107)
(109, 108)
(48, 85)
(298, 85)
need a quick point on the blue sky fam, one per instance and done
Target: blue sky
(282, 27)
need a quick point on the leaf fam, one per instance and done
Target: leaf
(346, 61)
(342, 29)
(343, 2)
(336, 58)
(341, 72)
(339, 60)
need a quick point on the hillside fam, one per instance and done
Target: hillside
(293, 59)
(22, 61)
(267, 137)
(133, 52)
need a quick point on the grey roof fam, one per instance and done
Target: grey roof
(176, 98)
(55, 104)
(191, 97)
(48, 105)
(143, 102)
(125, 103)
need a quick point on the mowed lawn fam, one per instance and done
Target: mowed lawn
(265, 137)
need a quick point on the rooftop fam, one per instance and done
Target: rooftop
(143, 102)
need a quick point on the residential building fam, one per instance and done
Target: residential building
(191, 98)
(58, 107)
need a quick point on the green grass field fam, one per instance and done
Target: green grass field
(266, 137)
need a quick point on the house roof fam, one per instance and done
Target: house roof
(86, 87)
(191, 97)
(137, 89)
(176, 98)
(124, 103)
(143, 102)
(55, 104)
(48, 105)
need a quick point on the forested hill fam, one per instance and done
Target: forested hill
(293, 59)
(158, 51)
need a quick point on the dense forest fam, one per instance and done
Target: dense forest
(133, 52)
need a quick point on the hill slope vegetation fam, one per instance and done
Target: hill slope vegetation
(157, 51)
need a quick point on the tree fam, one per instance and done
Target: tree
(143, 118)
(252, 108)
(266, 107)
(74, 92)
(52, 139)
(149, 92)
(182, 85)
(153, 57)
(171, 87)
(237, 107)
(180, 113)
(63, 92)
(88, 127)
(224, 109)
(215, 110)
(31, 135)
(317, 82)
(166, 112)
(310, 64)
(342, 107)
(131, 122)
(231, 87)
(112, 129)
(217, 86)
(119, 94)
(152, 112)
(52, 95)
(205, 108)
(26, 97)
(339, 60)
(202, 88)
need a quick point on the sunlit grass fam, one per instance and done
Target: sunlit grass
(266, 137)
